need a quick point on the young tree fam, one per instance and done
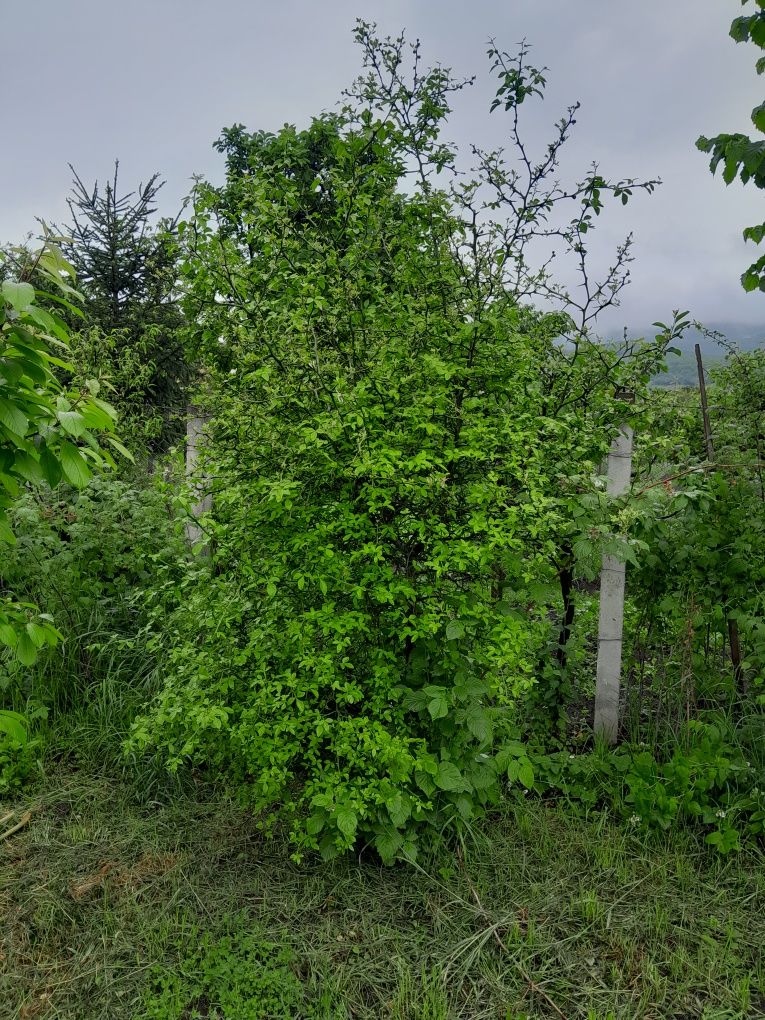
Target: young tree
(398, 444)
(126, 265)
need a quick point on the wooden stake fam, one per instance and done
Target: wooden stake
(705, 407)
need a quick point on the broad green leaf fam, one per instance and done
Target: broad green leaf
(454, 630)
(6, 532)
(46, 320)
(479, 722)
(37, 635)
(346, 822)
(72, 422)
(438, 707)
(465, 806)
(388, 844)
(9, 636)
(50, 465)
(19, 295)
(13, 418)
(14, 725)
(76, 471)
(424, 782)
(758, 117)
(26, 652)
(449, 777)
(483, 777)
(526, 774)
(126, 453)
(28, 467)
(399, 808)
(315, 823)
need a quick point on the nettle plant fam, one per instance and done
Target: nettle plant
(392, 431)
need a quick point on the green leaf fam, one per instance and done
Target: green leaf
(387, 845)
(26, 652)
(483, 777)
(50, 465)
(750, 281)
(464, 805)
(76, 471)
(28, 467)
(315, 823)
(526, 774)
(8, 635)
(120, 448)
(755, 233)
(454, 630)
(438, 706)
(72, 422)
(510, 750)
(6, 532)
(424, 782)
(758, 117)
(449, 777)
(346, 822)
(14, 725)
(38, 635)
(13, 418)
(18, 295)
(479, 723)
(399, 808)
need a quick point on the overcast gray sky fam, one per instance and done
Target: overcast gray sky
(153, 82)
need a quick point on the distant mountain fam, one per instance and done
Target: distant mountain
(682, 369)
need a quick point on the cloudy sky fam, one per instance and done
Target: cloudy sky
(153, 81)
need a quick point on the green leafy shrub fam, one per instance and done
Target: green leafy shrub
(706, 781)
(83, 558)
(47, 433)
(18, 752)
(397, 446)
(238, 976)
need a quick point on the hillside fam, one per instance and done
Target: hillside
(682, 368)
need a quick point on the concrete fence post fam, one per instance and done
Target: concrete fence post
(195, 424)
(611, 623)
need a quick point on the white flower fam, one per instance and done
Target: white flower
(720, 814)
(634, 820)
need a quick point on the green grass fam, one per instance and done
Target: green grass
(105, 902)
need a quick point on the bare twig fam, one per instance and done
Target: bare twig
(24, 820)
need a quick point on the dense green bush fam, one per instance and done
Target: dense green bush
(402, 460)
(700, 583)
(49, 433)
(85, 558)
(710, 779)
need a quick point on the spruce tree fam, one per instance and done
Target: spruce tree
(125, 260)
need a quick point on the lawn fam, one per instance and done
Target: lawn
(175, 904)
